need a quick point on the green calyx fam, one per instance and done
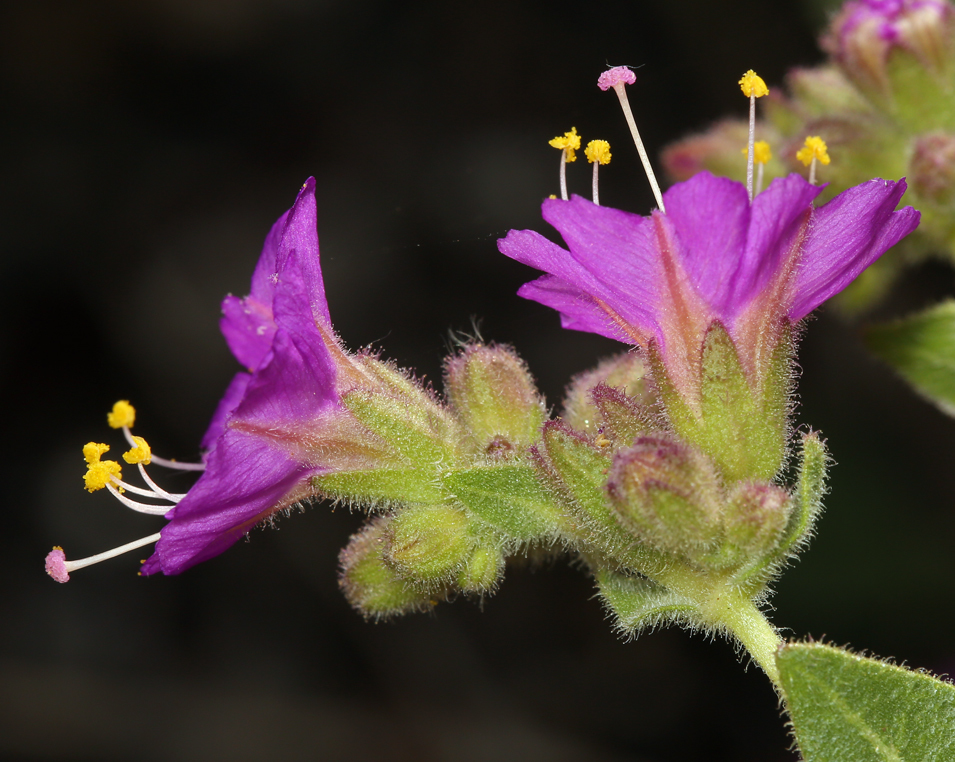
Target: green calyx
(741, 423)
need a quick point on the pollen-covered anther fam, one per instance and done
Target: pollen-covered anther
(123, 415)
(99, 473)
(813, 152)
(139, 453)
(568, 144)
(753, 85)
(59, 568)
(597, 153)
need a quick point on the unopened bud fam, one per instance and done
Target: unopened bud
(932, 167)
(482, 570)
(613, 395)
(370, 584)
(755, 516)
(496, 398)
(428, 542)
(667, 494)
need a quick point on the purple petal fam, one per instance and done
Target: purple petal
(846, 236)
(777, 218)
(229, 402)
(245, 480)
(300, 237)
(710, 216)
(578, 310)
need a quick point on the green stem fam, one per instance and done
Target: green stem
(742, 618)
(722, 605)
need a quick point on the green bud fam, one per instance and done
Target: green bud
(755, 516)
(427, 543)
(932, 168)
(668, 494)
(482, 570)
(625, 374)
(496, 398)
(370, 584)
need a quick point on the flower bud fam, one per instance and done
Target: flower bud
(612, 398)
(932, 168)
(755, 516)
(667, 494)
(867, 33)
(428, 542)
(370, 584)
(496, 398)
(482, 570)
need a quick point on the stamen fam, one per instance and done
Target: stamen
(597, 153)
(179, 465)
(59, 568)
(813, 151)
(140, 452)
(569, 143)
(761, 156)
(753, 87)
(617, 78)
(152, 510)
(173, 497)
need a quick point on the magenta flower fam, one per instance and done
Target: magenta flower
(711, 257)
(257, 460)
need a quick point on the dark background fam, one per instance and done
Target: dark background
(147, 148)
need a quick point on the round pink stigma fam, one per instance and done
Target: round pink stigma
(56, 565)
(615, 76)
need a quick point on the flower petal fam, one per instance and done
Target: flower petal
(846, 236)
(246, 480)
(229, 402)
(710, 216)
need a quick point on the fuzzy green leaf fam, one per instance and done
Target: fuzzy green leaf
(921, 348)
(401, 485)
(509, 498)
(847, 708)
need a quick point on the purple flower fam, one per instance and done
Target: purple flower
(711, 257)
(258, 458)
(864, 32)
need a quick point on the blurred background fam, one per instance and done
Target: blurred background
(147, 149)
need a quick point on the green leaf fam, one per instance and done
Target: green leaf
(509, 498)
(403, 485)
(847, 708)
(921, 348)
(639, 603)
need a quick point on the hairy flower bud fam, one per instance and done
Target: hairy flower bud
(755, 516)
(932, 167)
(428, 542)
(667, 494)
(495, 396)
(482, 570)
(369, 583)
(613, 398)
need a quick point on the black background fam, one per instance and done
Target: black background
(147, 148)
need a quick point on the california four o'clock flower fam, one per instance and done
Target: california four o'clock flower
(710, 289)
(264, 443)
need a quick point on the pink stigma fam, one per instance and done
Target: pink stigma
(56, 565)
(615, 76)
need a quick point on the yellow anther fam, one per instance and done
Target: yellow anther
(570, 142)
(98, 475)
(93, 451)
(123, 414)
(815, 148)
(141, 453)
(752, 85)
(761, 152)
(598, 151)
